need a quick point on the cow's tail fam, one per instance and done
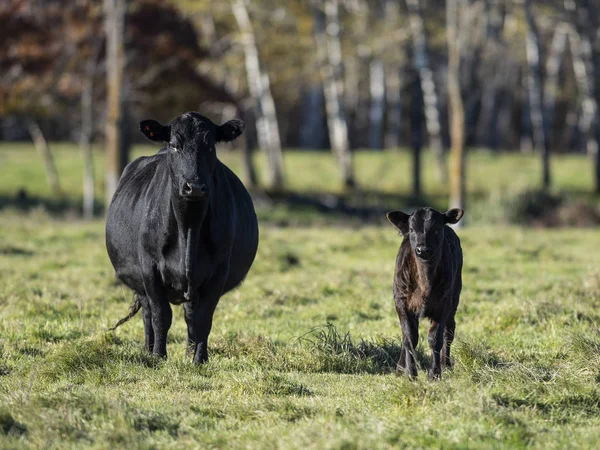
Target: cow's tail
(133, 310)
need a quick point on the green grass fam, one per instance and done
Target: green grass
(303, 354)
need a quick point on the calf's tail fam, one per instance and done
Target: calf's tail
(133, 310)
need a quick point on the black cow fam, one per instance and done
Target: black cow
(427, 282)
(181, 228)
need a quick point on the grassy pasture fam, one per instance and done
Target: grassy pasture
(303, 354)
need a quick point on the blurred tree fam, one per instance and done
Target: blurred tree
(42, 147)
(535, 78)
(457, 113)
(327, 38)
(117, 144)
(87, 128)
(430, 95)
(586, 66)
(259, 87)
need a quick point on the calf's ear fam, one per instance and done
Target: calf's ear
(453, 215)
(229, 131)
(155, 131)
(399, 220)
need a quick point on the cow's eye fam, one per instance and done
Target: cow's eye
(173, 149)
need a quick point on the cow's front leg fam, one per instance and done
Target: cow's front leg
(199, 316)
(409, 323)
(161, 315)
(436, 341)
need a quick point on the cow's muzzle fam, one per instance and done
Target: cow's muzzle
(193, 191)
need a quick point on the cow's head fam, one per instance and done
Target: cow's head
(191, 155)
(424, 228)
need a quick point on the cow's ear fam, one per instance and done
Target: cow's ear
(230, 130)
(452, 216)
(399, 220)
(155, 131)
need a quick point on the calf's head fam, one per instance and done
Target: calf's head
(424, 228)
(191, 155)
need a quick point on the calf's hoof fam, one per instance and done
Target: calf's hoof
(410, 373)
(448, 364)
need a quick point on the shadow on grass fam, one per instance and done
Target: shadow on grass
(353, 207)
(338, 353)
(360, 205)
(58, 207)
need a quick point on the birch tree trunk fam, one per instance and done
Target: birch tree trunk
(41, 145)
(116, 143)
(430, 96)
(393, 86)
(535, 82)
(457, 112)
(376, 115)
(327, 37)
(259, 86)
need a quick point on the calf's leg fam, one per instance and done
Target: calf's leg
(436, 341)
(409, 323)
(448, 338)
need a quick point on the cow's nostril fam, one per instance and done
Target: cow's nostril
(187, 188)
(203, 189)
(421, 249)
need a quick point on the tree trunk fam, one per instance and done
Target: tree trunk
(430, 96)
(416, 141)
(260, 90)
(41, 145)
(311, 128)
(393, 86)
(116, 143)
(580, 39)
(87, 132)
(85, 145)
(535, 81)
(250, 178)
(327, 36)
(377, 110)
(457, 113)
(552, 86)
